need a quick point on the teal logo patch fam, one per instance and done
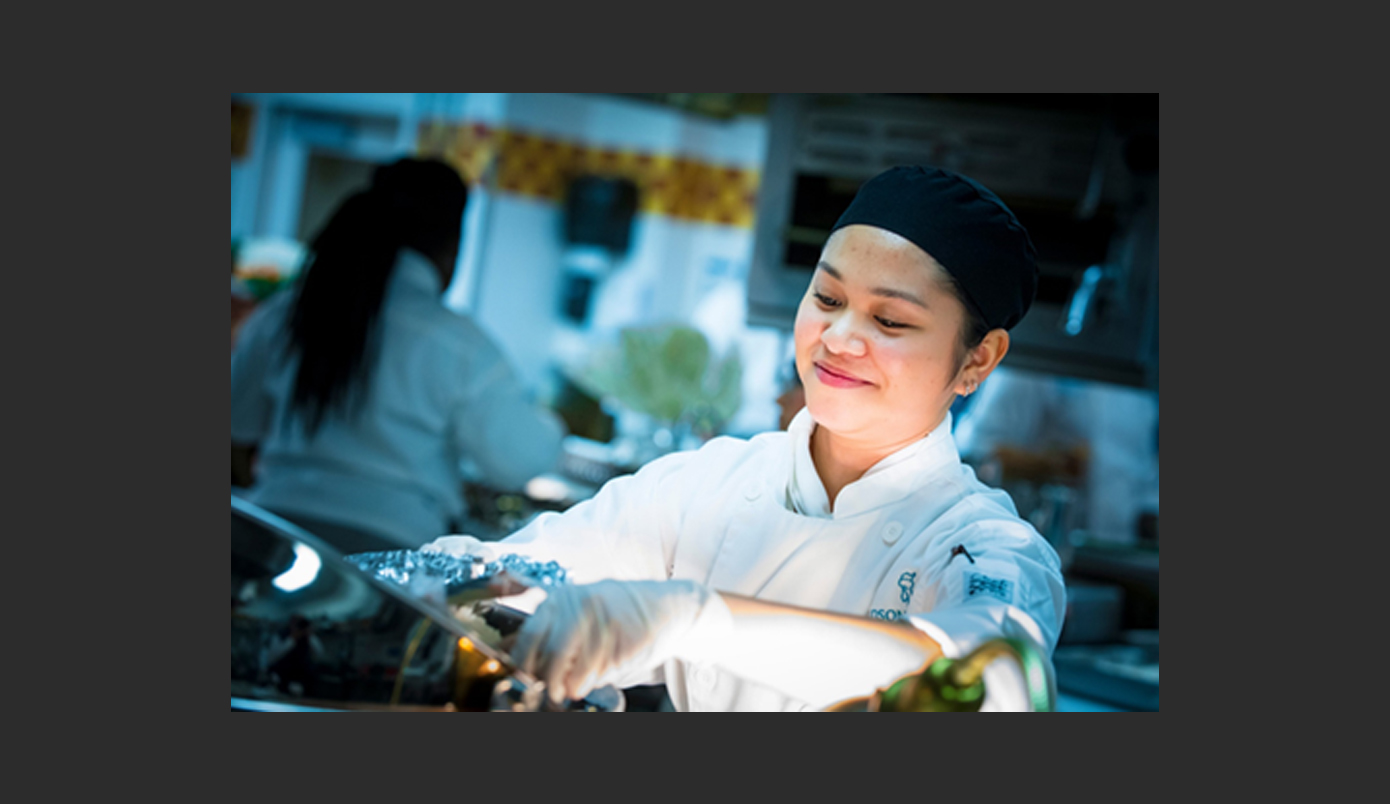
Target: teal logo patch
(993, 587)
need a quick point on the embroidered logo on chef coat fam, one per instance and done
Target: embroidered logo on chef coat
(891, 615)
(907, 582)
(980, 584)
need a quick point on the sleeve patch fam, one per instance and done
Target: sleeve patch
(981, 584)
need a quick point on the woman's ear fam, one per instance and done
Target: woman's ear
(982, 361)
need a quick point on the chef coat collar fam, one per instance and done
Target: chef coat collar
(887, 481)
(806, 493)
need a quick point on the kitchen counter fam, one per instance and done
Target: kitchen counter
(1073, 703)
(1122, 674)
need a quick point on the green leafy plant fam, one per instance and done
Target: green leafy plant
(668, 373)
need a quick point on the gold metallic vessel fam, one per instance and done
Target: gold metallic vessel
(957, 685)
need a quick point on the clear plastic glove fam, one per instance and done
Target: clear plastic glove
(585, 634)
(460, 546)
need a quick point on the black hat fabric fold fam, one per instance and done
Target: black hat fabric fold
(964, 227)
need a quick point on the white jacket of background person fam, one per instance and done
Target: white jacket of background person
(916, 539)
(441, 392)
(1118, 426)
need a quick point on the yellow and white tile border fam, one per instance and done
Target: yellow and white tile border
(541, 167)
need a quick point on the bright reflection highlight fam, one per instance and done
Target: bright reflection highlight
(302, 572)
(545, 488)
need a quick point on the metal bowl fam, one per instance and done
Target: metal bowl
(313, 632)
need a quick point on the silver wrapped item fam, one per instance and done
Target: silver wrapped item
(463, 578)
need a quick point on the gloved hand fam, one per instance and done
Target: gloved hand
(514, 592)
(586, 633)
(461, 546)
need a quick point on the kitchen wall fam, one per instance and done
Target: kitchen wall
(284, 128)
(691, 239)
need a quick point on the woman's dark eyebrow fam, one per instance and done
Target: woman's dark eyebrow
(891, 293)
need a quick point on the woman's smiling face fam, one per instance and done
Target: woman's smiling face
(876, 338)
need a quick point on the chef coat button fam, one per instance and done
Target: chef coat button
(751, 492)
(892, 532)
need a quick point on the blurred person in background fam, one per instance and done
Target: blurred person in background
(1100, 438)
(359, 395)
(803, 567)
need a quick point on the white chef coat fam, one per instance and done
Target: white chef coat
(441, 392)
(724, 516)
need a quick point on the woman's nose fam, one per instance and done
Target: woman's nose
(843, 337)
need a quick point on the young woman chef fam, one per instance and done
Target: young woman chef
(800, 568)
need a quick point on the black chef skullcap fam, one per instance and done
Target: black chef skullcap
(964, 227)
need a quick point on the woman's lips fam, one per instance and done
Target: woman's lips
(838, 379)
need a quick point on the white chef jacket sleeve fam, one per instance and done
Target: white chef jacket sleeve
(499, 427)
(627, 531)
(976, 574)
(259, 342)
(984, 575)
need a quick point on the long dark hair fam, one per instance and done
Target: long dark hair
(412, 203)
